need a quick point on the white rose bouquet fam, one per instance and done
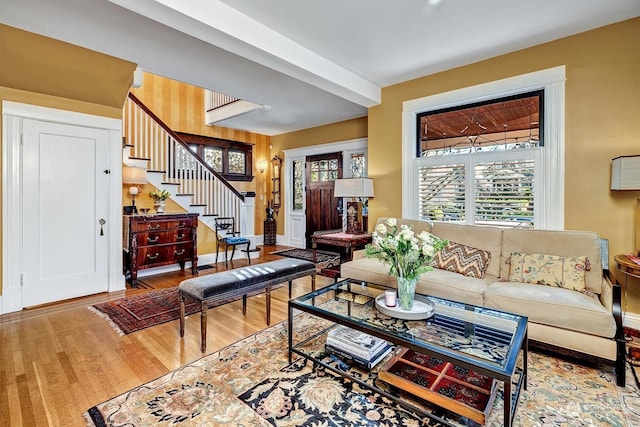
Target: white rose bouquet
(407, 254)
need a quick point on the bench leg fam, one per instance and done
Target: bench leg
(248, 253)
(290, 283)
(268, 304)
(244, 304)
(203, 326)
(313, 282)
(182, 312)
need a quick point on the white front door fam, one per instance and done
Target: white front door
(65, 196)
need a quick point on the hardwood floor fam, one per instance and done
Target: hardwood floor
(59, 360)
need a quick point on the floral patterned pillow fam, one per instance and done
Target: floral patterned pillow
(550, 270)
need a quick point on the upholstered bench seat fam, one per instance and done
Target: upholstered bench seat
(222, 286)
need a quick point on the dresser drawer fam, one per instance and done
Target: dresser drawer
(168, 254)
(163, 224)
(150, 238)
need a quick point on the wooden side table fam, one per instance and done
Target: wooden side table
(343, 241)
(628, 268)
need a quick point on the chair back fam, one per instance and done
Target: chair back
(225, 227)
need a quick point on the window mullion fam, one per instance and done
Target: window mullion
(470, 202)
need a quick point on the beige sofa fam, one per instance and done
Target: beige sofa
(563, 319)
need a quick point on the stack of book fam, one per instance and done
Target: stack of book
(362, 349)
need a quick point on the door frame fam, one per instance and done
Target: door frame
(293, 219)
(13, 114)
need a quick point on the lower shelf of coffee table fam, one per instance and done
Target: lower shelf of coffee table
(457, 389)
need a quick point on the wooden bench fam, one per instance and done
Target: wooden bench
(226, 285)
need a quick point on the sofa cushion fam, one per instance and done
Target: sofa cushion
(454, 286)
(551, 306)
(368, 269)
(486, 238)
(439, 283)
(550, 270)
(466, 260)
(561, 243)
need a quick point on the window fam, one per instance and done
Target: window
(298, 185)
(324, 170)
(488, 167)
(231, 159)
(358, 165)
(480, 161)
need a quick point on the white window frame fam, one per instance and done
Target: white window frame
(549, 193)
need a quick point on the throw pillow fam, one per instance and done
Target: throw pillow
(550, 270)
(462, 259)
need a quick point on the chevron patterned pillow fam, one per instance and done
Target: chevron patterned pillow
(463, 259)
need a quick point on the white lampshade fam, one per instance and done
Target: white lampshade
(353, 187)
(133, 175)
(625, 173)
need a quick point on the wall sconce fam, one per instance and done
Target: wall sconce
(136, 177)
(262, 165)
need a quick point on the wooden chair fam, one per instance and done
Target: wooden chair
(227, 236)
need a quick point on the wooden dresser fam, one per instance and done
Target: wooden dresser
(161, 239)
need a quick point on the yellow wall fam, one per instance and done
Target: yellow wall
(602, 122)
(41, 71)
(181, 107)
(341, 131)
(41, 65)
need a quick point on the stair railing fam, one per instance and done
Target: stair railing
(166, 152)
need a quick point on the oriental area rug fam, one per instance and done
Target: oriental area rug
(133, 313)
(251, 383)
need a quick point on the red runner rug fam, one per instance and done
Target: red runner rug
(131, 314)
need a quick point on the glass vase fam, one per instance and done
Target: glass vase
(406, 292)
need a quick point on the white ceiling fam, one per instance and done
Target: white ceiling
(311, 62)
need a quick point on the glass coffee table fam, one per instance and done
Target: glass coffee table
(461, 347)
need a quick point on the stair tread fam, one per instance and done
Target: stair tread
(199, 204)
(139, 158)
(184, 194)
(170, 183)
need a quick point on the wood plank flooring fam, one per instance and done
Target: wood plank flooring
(59, 360)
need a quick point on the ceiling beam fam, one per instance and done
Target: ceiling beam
(220, 25)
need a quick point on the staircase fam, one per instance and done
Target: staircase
(171, 166)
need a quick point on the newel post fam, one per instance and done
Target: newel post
(247, 222)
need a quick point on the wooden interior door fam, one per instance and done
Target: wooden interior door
(322, 209)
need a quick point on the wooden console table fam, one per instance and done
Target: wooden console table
(161, 239)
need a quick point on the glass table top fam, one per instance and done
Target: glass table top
(477, 335)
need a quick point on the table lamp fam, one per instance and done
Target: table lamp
(136, 177)
(357, 188)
